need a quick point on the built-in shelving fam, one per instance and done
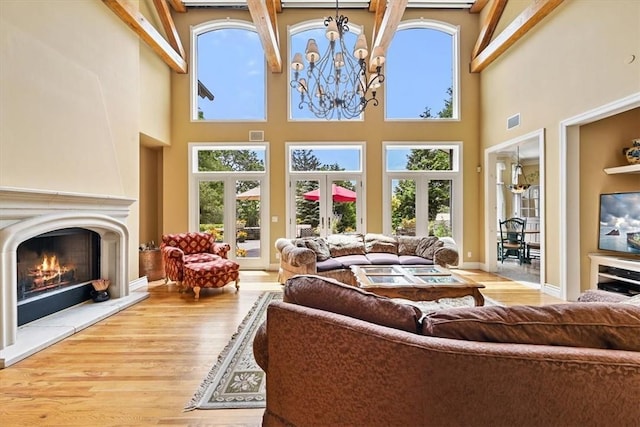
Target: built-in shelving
(615, 274)
(623, 169)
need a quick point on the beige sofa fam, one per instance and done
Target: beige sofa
(326, 366)
(332, 256)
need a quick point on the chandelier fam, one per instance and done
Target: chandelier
(336, 84)
(516, 187)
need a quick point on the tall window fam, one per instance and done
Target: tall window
(299, 34)
(422, 189)
(230, 71)
(422, 72)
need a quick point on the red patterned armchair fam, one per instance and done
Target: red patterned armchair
(185, 248)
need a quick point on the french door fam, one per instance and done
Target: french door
(230, 209)
(323, 204)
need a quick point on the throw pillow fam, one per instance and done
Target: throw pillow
(594, 325)
(319, 246)
(428, 246)
(407, 245)
(345, 244)
(379, 243)
(331, 295)
(634, 300)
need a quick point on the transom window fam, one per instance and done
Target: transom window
(230, 72)
(422, 72)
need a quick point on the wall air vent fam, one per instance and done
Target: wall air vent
(256, 135)
(513, 121)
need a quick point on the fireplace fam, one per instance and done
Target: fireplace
(52, 245)
(55, 270)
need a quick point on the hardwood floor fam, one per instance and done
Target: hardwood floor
(142, 365)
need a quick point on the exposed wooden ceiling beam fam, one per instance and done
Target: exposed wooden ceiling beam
(377, 7)
(489, 26)
(278, 5)
(478, 6)
(139, 24)
(520, 26)
(178, 6)
(388, 25)
(169, 27)
(264, 19)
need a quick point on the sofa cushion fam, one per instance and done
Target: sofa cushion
(414, 260)
(380, 243)
(319, 246)
(594, 325)
(407, 245)
(427, 247)
(349, 260)
(200, 257)
(345, 244)
(328, 265)
(383, 258)
(330, 295)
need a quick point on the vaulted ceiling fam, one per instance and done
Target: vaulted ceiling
(388, 14)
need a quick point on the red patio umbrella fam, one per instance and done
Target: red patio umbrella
(340, 194)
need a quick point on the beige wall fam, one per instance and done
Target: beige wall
(150, 194)
(70, 116)
(155, 89)
(601, 145)
(374, 130)
(571, 62)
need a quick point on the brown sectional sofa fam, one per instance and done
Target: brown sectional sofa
(337, 355)
(334, 255)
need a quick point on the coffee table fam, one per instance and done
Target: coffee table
(415, 282)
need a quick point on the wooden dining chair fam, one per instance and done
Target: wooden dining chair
(512, 243)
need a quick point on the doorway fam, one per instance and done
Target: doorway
(516, 163)
(325, 204)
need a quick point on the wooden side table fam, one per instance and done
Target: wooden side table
(150, 264)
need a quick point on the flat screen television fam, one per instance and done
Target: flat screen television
(620, 222)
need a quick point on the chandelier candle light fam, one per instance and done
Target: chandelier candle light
(336, 84)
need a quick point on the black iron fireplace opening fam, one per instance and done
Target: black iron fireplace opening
(55, 271)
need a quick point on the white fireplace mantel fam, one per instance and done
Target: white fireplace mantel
(26, 213)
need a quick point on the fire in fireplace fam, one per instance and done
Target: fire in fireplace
(55, 270)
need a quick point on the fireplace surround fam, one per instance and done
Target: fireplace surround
(26, 214)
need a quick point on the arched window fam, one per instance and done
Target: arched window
(228, 78)
(422, 72)
(299, 34)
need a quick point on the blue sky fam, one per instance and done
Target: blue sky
(418, 72)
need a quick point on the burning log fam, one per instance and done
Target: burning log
(51, 273)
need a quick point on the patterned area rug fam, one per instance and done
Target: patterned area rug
(236, 381)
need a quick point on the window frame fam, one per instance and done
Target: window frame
(359, 176)
(229, 177)
(455, 175)
(197, 30)
(454, 31)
